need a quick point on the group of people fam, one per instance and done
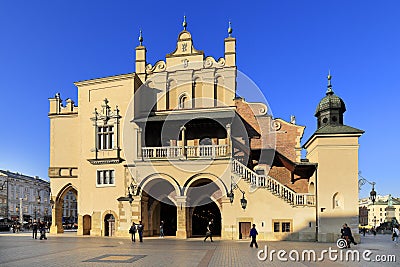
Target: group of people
(41, 226)
(136, 228)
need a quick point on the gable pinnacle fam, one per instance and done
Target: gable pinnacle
(184, 23)
(140, 38)
(230, 29)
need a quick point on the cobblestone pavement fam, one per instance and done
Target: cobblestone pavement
(71, 250)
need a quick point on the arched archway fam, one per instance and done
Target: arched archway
(59, 210)
(203, 196)
(109, 225)
(158, 203)
(202, 215)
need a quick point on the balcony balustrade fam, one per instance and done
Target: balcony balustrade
(203, 151)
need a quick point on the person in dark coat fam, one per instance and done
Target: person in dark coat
(34, 229)
(42, 230)
(140, 228)
(132, 231)
(253, 235)
(209, 231)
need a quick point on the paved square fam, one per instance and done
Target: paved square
(71, 250)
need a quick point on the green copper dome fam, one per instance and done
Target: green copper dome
(330, 101)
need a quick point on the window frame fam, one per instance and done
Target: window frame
(105, 175)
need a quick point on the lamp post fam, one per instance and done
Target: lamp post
(231, 195)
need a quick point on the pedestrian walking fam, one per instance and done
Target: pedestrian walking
(34, 229)
(162, 229)
(42, 230)
(253, 235)
(132, 231)
(395, 235)
(209, 231)
(140, 228)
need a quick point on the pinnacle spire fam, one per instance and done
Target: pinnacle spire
(230, 29)
(140, 38)
(329, 90)
(184, 23)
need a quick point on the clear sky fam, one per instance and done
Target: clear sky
(285, 47)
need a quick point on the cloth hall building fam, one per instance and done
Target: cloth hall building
(174, 142)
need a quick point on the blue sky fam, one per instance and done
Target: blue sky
(285, 47)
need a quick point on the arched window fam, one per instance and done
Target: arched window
(337, 201)
(311, 188)
(183, 101)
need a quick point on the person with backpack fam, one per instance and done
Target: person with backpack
(132, 231)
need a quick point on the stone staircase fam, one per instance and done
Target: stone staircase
(257, 181)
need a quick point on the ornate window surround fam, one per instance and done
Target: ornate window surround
(106, 118)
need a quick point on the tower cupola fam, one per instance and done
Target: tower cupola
(330, 109)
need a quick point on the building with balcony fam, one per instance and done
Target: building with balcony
(174, 142)
(24, 198)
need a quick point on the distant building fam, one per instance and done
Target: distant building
(363, 215)
(376, 212)
(70, 211)
(24, 197)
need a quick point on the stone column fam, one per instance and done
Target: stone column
(228, 137)
(145, 215)
(139, 142)
(181, 231)
(183, 130)
(57, 220)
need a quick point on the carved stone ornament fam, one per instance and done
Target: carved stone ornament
(210, 62)
(158, 67)
(276, 125)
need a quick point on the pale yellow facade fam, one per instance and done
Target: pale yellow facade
(170, 129)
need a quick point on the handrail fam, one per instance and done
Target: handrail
(277, 188)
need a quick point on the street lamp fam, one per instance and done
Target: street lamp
(231, 195)
(362, 181)
(131, 192)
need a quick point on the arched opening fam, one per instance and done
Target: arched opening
(183, 102)
(65, 210)
(87, 224)
(202, 216)
(202, 195)
(158, 204)
(109, 225)
(311, 188)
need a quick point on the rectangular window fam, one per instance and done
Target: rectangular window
(276, 227)
(286, 227)
(282, 226)
(105, 177)
(105, 137)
